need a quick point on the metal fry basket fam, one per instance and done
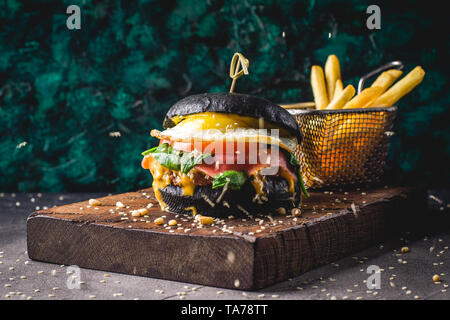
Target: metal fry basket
(343, 147)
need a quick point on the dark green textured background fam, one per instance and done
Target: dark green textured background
(63, 92)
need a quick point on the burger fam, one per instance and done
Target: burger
(226, 154)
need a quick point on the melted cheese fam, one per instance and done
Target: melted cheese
(193, 209)
(163, 176)
(259, 182)
(291, 181)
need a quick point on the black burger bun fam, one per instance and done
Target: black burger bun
(234, 103)
(233, 202)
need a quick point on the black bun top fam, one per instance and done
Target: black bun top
(236, 103)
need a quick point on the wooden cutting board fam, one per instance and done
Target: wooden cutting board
(233, 253)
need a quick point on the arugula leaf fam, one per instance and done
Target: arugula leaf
(191, 159)
(235, 179)
(162, 148)
(165, 155)
(294, 161)
(147, 152)
(174, 159)
(302, 184)
(168, 160)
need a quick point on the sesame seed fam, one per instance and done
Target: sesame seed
(119, 204)
(94, 202)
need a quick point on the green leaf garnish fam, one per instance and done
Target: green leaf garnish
(175, 159)
(147, 152)
(191, 159)
(235, 179)
(294, 161)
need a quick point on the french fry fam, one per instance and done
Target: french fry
(387, 78)
(365, 98)
(318, 87)
(298, 105)
(344, 97)
(338, 88)
(332, 73)
(401, 88)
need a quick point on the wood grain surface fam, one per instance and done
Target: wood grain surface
(241, 253)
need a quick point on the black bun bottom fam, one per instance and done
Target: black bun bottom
(233, 202)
